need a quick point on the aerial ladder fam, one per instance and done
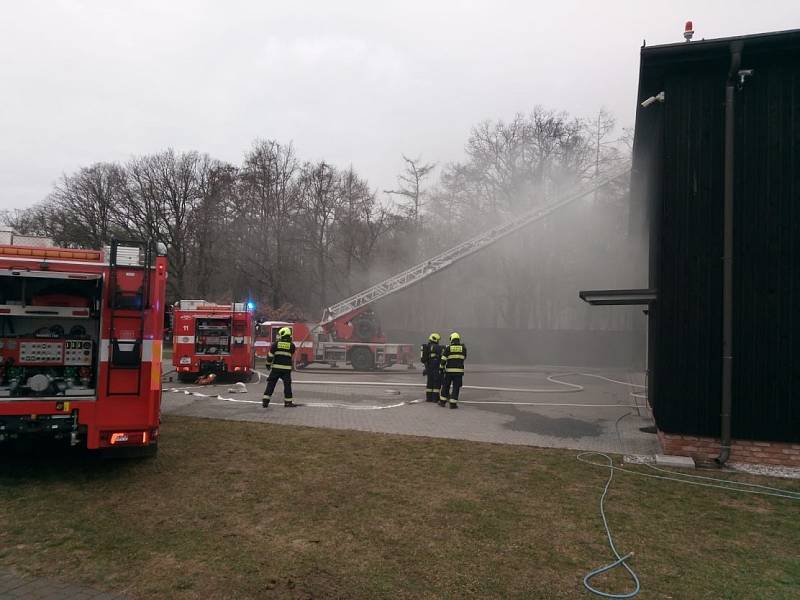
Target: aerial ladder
(350, 308)
(350, 333)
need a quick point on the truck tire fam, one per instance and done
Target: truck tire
(361, 359)
(187, 377)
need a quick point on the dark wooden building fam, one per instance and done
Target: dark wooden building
(679, 188)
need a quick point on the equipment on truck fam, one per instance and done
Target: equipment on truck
(80, 344)
(213, 338)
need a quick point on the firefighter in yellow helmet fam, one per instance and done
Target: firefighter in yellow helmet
(429, 355)
(280, 364)
(452, 367)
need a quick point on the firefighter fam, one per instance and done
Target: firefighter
(452, 368)
(279, 363)
(429, 355)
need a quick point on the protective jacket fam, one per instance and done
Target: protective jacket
(280, 355)
(453, 357)
(430, 355)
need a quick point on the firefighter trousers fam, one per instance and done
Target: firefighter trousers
(272, 380)
(453, 380)
(432, 384)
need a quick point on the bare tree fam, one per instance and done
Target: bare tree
(513, 166)
(88, 200)
(271, 197)
(321, 202)
(213, 239)
(410, 186)
(410, 183)
(357, 208)
(293, 236)
(162, 193)
(40, 219)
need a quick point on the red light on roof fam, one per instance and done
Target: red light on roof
(688, 31)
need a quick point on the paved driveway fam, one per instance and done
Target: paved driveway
(545, 406)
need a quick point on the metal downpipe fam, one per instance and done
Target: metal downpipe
(727, 260)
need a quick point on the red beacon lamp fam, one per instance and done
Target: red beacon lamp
(688, 31)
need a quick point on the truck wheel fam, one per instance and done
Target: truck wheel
(187, 377)
(361, 359)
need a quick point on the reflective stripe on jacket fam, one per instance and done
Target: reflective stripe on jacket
(280, 355)
(453, 357)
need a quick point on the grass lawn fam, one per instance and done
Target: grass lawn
(246, 510)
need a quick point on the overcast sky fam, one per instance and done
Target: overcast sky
(353, 82)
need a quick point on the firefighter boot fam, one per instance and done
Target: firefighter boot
(288, 404)
(453, 404)
(442, 401)
(265, 401)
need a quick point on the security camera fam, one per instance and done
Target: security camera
(653, 99)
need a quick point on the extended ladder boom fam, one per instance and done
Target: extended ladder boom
(449, 257)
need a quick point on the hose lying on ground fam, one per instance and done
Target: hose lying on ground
(620, 559)
(675, 476)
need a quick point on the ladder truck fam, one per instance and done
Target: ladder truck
(355, 340)
(350, 333)
(80, 345)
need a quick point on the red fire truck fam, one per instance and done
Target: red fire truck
(354, 339)
(80, 345)
(213, 338)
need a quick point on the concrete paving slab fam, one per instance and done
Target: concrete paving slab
(547, 407)
(679, 462)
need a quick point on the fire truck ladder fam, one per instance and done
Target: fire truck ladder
(449, 257)
(126, 354)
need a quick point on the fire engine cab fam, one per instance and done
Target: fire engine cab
(213, 338)
(80, 344)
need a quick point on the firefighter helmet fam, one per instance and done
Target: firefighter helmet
(434, 337)
(284, 332)
(455, 336)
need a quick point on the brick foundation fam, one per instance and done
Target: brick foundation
(744, 451)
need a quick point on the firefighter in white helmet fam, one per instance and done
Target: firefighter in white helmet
(452, 367)
(280, 364)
